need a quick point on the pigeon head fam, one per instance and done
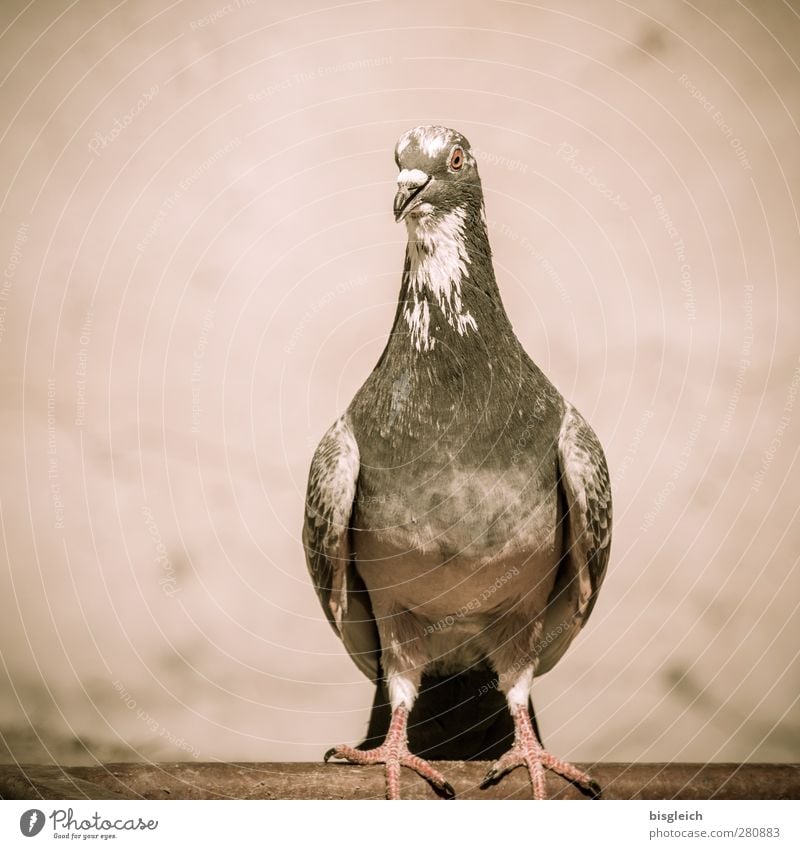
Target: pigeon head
(438, 174)
(448, 284)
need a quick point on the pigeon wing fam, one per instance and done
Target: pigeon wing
(332, 483)
(585, 492)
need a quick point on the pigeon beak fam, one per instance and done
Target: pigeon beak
(411, 184)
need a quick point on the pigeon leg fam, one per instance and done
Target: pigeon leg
(528, 751)
(394, 753)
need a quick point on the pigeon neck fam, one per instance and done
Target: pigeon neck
(448, 284)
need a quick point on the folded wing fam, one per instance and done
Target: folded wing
(332, 483)
(586, 496)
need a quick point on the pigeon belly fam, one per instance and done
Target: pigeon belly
(459, 553)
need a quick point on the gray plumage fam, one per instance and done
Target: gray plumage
(462, 521)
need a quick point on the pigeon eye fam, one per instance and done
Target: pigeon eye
(456, 159)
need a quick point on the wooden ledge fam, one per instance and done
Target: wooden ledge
(189, 780)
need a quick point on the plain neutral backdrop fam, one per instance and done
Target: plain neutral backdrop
(200, 267)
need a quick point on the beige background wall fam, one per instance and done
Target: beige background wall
(191, 295)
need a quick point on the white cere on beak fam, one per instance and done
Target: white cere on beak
(411, 178)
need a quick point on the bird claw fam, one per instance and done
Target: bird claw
(528, 751)
(509, 762)
(393, 758)
(594, 788)
(445, 791)
(536, 759)
(490, 778)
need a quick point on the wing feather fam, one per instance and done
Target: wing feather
(332, 483)
(586, 494)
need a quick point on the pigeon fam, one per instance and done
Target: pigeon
(458, 515)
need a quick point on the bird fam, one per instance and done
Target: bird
(458, 514)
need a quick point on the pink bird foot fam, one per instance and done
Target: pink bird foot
(528, 751)
(394, 753)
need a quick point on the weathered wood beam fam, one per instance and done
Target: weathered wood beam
(188, 780)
